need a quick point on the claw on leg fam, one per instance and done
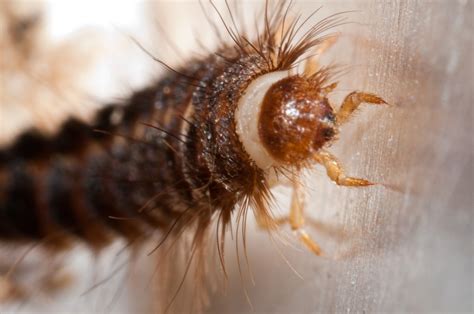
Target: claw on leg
(336, 173)
(352, 101)
(309, 242)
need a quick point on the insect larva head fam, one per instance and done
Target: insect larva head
(295, 120)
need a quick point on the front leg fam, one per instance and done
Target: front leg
(335, 171)
(352, 101)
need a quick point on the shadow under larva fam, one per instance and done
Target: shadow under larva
(194, 150)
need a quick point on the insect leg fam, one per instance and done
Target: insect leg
(270, 224)
(336, 173)
(10, 290)
(312, 64)
(352, 101)
(297, 219)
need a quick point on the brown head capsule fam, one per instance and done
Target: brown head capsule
(296, 120)
(285, 119)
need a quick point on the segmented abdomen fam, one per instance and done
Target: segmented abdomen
(168, 158)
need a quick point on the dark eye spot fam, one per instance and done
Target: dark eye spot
(328, 133)
(330, 116)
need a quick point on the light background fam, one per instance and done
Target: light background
(408, 248)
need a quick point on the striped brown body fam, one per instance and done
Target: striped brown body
(183, 154)
(169, 158)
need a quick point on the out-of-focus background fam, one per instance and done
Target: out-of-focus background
(403, 247)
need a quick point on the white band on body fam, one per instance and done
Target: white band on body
(248, 114)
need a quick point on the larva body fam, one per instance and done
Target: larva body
(206, 140)
(83, 180)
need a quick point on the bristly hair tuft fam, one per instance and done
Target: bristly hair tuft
(281, 42)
